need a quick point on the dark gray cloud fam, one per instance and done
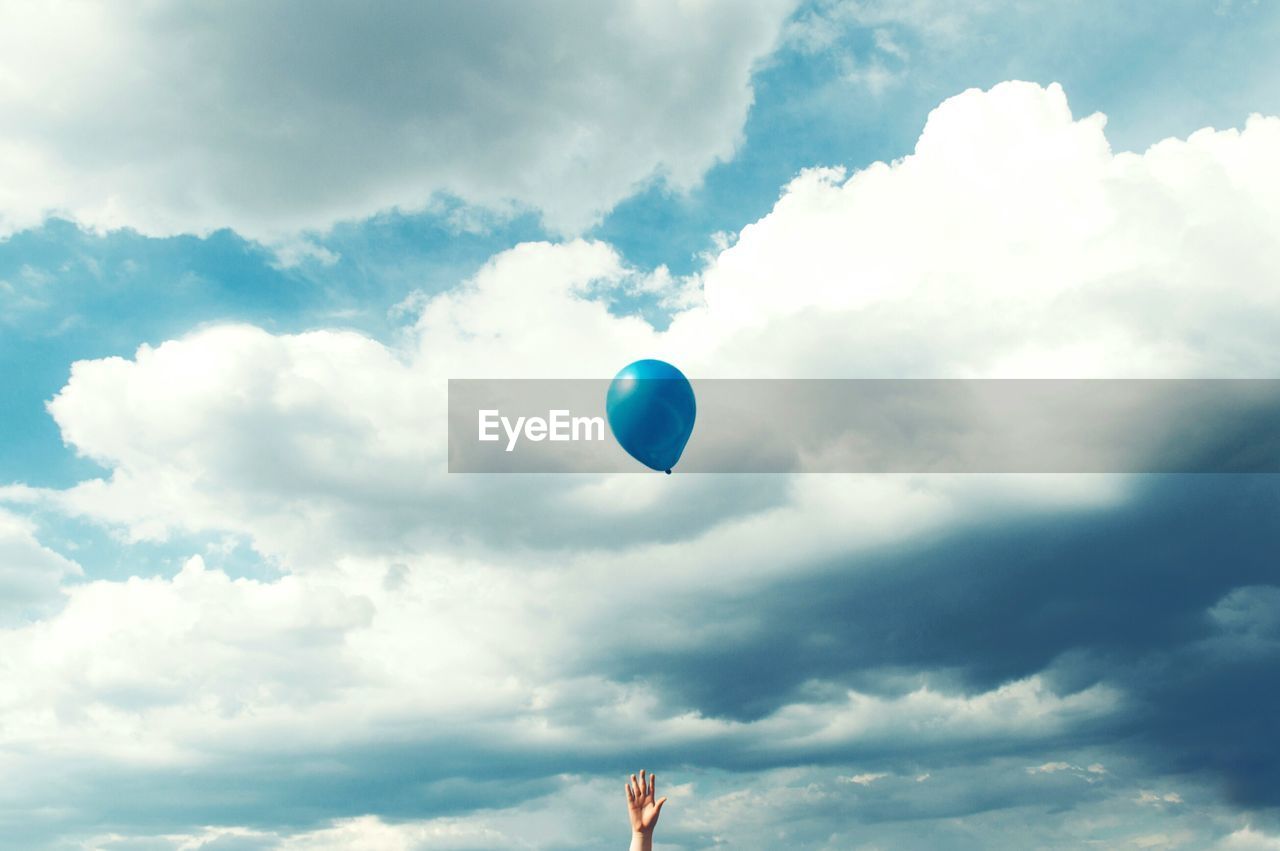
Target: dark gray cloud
(1166, 599)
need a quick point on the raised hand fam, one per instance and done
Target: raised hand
(642, 806)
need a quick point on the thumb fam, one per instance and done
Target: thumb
(657, 808)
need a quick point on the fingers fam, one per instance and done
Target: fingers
(643, 788)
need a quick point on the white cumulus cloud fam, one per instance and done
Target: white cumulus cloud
(1012, 241)
(1249, 839)
(169, 118)
(31, 575)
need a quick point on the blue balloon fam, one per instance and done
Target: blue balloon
(651, 410)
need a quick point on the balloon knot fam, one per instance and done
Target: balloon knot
(668, 472)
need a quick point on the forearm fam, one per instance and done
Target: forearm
(641, 841)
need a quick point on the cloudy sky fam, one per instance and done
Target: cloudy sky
(243, 247)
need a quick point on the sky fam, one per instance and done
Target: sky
(243, 247)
